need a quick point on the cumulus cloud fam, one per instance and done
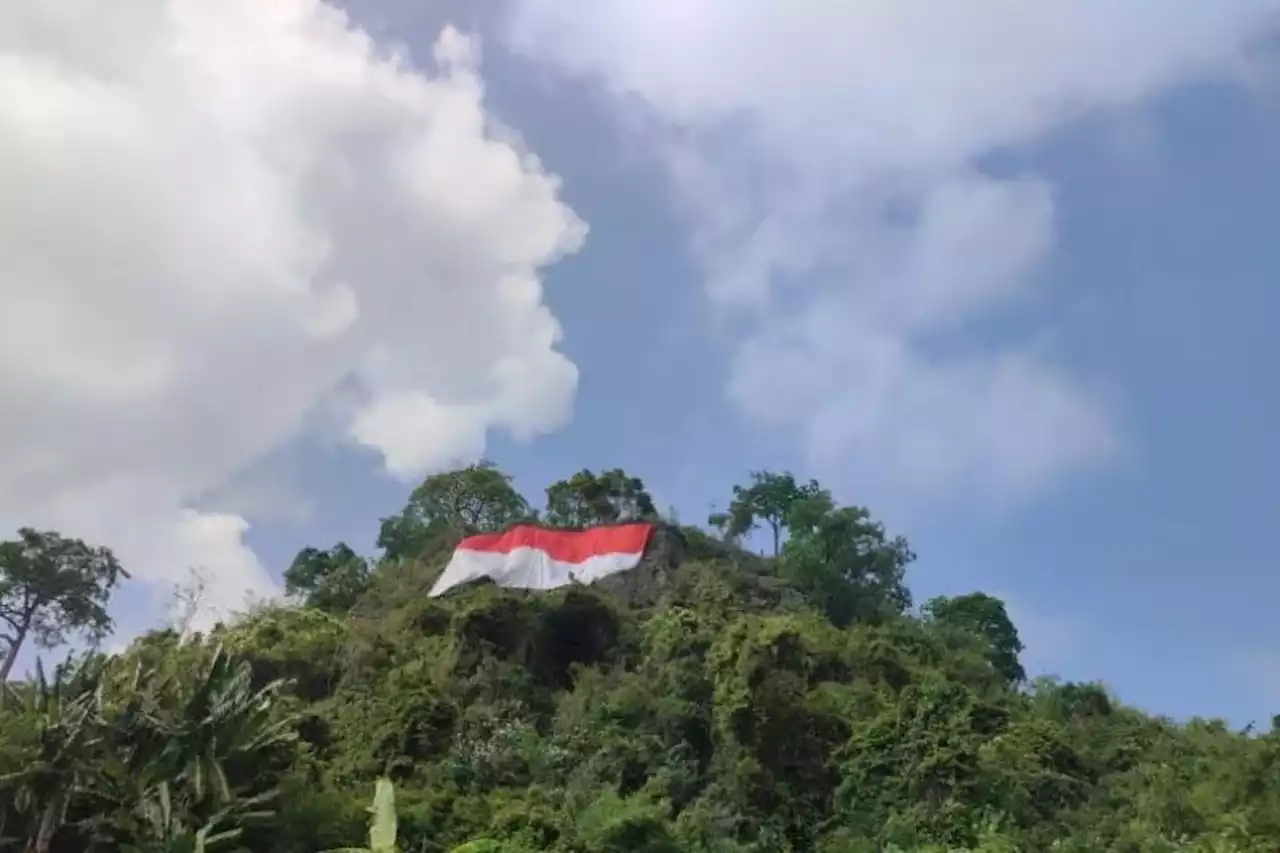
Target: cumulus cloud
(828, 159)
(216, 215)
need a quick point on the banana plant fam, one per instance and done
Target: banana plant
(382, 823)
(68, 709)
(168, 833)
(220, 717)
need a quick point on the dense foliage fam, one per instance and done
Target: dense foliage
(786, 702)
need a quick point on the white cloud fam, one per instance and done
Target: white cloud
(216, 215)
(267, 492)
(826, 156)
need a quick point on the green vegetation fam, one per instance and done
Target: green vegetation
(722, 703)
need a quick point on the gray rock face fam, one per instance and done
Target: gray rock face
(644, 585)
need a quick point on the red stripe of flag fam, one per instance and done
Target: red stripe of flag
(566, 546)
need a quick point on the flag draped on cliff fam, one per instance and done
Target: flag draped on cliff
(531, 557)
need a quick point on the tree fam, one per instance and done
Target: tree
(845, 561)
(52, 588)
(331, 580)
(588, 499)
(985, 617)
(475, 499)
(188, 600)
(769, 499)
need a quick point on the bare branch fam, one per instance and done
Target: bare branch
(12, 619)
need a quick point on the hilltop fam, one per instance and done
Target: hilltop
(713, 700)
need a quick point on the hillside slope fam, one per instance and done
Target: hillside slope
(716, 701)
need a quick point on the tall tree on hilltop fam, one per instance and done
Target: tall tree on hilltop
(844, 561)
(985, 617)
(331, 580)
(610, 497)
(769, 500)
(52, 588)
(475, 499)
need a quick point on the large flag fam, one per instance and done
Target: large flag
(532, 557)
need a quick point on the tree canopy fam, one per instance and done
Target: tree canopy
(332, 580)
(782, 703)
(475, 499)
(770, 499)
(52, 587)
(984, 617)
(587, 499)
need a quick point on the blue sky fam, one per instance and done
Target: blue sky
(1043, 298)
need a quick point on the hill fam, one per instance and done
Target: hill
(711, 701)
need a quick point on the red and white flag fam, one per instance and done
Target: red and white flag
(532, 557)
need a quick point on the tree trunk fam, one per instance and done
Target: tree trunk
(6, 666)
(43, 839)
